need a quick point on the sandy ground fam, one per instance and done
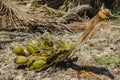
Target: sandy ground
(82, 66)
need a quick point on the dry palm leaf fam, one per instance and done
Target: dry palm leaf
(95, 24)
(10, 17)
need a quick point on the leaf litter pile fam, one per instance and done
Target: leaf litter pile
(98, 57)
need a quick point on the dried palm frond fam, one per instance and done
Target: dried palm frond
(96, 23)
(10, 17)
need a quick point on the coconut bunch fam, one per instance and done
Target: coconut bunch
(41, 52)
(11, 17)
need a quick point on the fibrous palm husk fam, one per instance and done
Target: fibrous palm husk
(10, 17)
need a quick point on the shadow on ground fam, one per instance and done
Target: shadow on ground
(94, 69)
(70, 64)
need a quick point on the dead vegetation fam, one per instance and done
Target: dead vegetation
(11, 18)
(68, 20)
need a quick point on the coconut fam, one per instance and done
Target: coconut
(18, 50)
(20, 60)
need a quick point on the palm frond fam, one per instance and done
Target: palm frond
(10, 17)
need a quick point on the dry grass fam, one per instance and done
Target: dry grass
(10, 17)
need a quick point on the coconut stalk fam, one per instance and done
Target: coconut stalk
(99, 21)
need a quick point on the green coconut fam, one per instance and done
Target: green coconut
(30, 49)
(47, 39)
(18, 50)
(20, 60)
(40, 44)
(48, 43)
(32, 59)
(68, 46)
(37, 64)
